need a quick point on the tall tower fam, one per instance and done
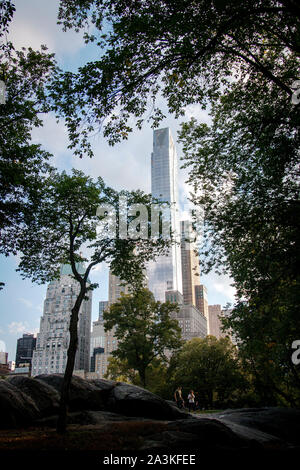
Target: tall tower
(52, 341)
(104, 342)
(25, 348)
(165, 272)
(189, 263)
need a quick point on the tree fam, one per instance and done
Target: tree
(23, 164)
(144, 329)
(156, 375)
(266, 329)
(67, 227)
(188, 52)
(244, 168)
(208, 366)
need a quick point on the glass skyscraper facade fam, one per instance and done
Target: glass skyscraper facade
(165, 272)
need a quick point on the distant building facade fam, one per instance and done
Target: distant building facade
(104, 342)
(214, 321)
(4, 366)
(201, 299)
(191, 321)
(25, 347)
(103, 305)
(52, 341)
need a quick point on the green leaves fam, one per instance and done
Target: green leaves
(144, 329)
(208, 366)
(187, 52)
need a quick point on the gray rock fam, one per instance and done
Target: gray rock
(131, 400)
(283, 423)
(44, 396)
(209, 431)
(85, 418)
(84, 395)
(169, 440)
(16, 408)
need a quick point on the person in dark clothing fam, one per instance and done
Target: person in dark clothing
(178, 397)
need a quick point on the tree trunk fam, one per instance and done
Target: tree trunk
(65, 391)
(142, 374)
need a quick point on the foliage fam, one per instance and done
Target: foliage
(188, 52)
(144, 329)
(64, 223)
(23, 164)
(267, 326)
(208, 366)
(156, 375)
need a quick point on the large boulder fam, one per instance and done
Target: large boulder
(84, 395)
(283, 423)
(16, 408)
(131, 400)
(44, 396)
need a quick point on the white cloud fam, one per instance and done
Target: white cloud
(2, 346)
(34, 23)
(26, 302)
(224, 287)
(195, 111)
(17, 327)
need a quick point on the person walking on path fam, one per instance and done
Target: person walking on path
(178, 397)
(191, 401)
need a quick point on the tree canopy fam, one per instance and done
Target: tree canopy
(145, 330)
(208, 366)
(186, 51)
(65, 229)
(23, 164)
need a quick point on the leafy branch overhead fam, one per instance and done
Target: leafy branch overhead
(186, 51)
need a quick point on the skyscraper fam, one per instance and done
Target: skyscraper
(104, 342)
(25, 348)
(189, 263)
(201, 299)
(214, 321)
(165, 272)
(52, 342)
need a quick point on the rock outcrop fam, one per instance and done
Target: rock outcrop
(16, 408)
(105, 405)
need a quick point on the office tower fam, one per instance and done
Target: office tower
(189, 263)
(174, 297)
(95, 358)
(192, 322)
(165, 272)
(103, 305)
(4, 365)
(52, 342)
(214, 322)
(115, 287)
(201, 299)
(104, 342)
(25, 348)
(3, 357)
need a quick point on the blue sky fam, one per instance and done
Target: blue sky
(127, 165)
